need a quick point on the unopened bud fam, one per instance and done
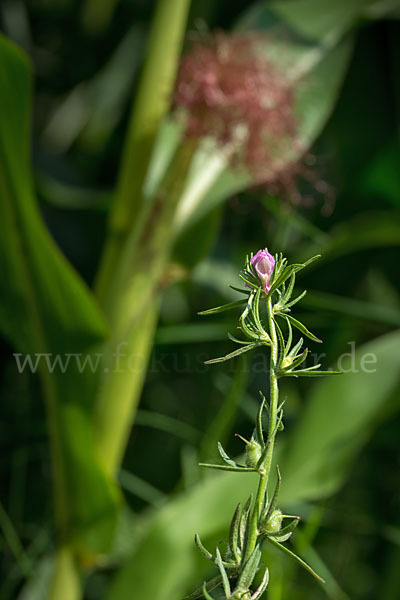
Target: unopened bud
(274, 522)
(253, 454)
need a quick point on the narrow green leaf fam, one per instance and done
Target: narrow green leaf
(282, 277)
(256, 313)
(296, 300)
(259, 426)
(289, 291)
(223, 308)
(205, 593)
(203, 550)
(262, 587)
(233, 339)
(290, 337)
(296, 348)
(272, 504)
(311, 373)
(234, 533)
(281, 354)
(302, 328)
(239, 290)
(224, 576)
(237, 469)
(296, 558)
(209, 586)
(233, 354)
(225, 457)
(243, 522)
(250, 569)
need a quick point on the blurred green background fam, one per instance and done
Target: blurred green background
(87, 58)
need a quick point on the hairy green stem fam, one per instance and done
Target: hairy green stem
(265, 468)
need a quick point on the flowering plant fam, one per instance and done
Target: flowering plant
(267, 306)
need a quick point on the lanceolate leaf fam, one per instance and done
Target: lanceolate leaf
(224, 456)
(223, 308)
(296, 558)
(249, 572)
(225, 580)
(232, 354)
(311, 373)
(234, 533)
(301, 328)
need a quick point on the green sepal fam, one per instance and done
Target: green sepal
(225, 457)
(233, 354)
(282, 538)
(296, 558)
(253, 284)
(288, 529)
(222, 308)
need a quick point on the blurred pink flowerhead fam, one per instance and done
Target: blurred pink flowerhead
(232, 92)
(264, 264)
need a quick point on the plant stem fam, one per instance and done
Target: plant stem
(139, 238)
(265, 468)
(151, 105)
(65, 583)
(121, 388)
(131, 306)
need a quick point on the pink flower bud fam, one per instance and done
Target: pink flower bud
(264, 264)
